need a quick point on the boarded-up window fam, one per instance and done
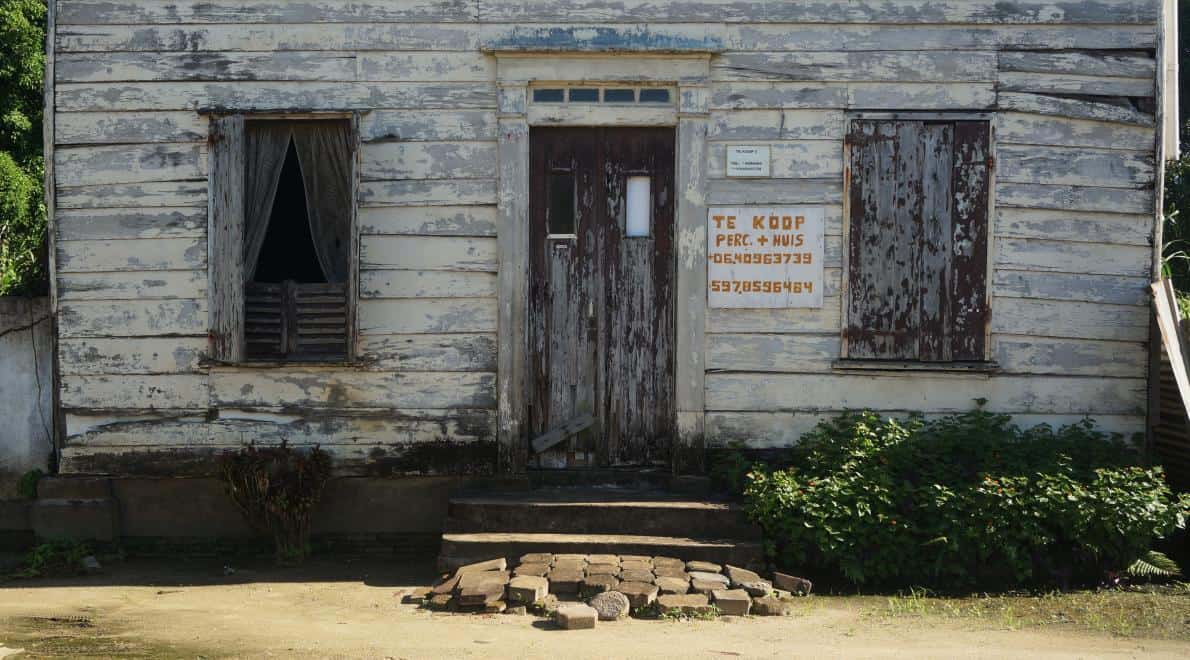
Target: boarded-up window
(917, 244)
(281, 239)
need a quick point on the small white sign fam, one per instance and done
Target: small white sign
(746, 161)
(765, 256)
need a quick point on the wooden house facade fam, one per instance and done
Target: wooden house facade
(424, 234)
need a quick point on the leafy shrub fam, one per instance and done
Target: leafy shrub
(967, 500)
(275, 489)
(27, 485)
(55, 558)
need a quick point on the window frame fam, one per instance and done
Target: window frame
(228, 350)
(865, 364)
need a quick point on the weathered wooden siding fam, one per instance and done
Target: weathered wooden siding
(1070, 84)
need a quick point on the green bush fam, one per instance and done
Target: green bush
(27, 484)
(968, 500)
(55, 559)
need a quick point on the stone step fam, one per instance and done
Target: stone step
(600, 511)
(461, 549)
(634, 478)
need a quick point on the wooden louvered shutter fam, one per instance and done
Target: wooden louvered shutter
(225, 238)
(296, 320)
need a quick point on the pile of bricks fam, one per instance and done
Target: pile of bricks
(581, 589)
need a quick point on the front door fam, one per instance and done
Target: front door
(601, 295)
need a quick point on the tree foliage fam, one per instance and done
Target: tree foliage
(22, 212)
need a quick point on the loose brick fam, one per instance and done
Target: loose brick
(575, 616)
(603, 569)
(489, 565)
(687, 603)
(480, 594)
(482, 577)
(670, 585)
(627, 558)
(734, 602)
(639, 594)
(739, 575)
(668, 561)
(597, 584)
(710, 577)
(771, 606)
(637, 576)
(565, 581)
(568, 557)
(671, 571)
(757, 588)
(705, 586)
(797, 585)
(535, 570)
(528, 589)
(604, 559)
(703, 566)
(569, 565)
(537, 558)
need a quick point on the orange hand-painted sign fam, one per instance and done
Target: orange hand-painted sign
(765, 257)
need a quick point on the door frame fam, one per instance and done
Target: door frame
(516, 73)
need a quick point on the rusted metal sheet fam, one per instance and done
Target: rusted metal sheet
(601, 329)
(918, 240)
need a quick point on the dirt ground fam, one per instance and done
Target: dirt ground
(192, 609)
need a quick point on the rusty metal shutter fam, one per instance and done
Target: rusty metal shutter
(917, 251)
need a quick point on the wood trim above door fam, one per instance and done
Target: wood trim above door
(690, 73)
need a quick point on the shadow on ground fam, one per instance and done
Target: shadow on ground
(195, 572)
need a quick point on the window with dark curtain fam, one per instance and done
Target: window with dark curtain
(288, 249)
(296, 260)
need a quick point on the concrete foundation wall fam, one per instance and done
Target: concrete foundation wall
(26, 388)
(146, 513)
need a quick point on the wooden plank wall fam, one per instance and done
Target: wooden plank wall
(1071, 84)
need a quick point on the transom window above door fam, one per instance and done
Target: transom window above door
(610, 94)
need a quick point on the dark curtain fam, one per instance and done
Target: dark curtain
(324, 151)
(267, 143)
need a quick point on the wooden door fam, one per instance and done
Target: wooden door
(601, 302)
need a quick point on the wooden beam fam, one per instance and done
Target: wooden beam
(563, 432)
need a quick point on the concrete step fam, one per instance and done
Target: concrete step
(461, 549)
(634, 478)
(600, 511)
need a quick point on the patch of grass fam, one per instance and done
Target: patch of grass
(80, 636)
(1145, 611)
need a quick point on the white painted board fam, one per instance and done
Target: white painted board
(748, 161)
(765, 257)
